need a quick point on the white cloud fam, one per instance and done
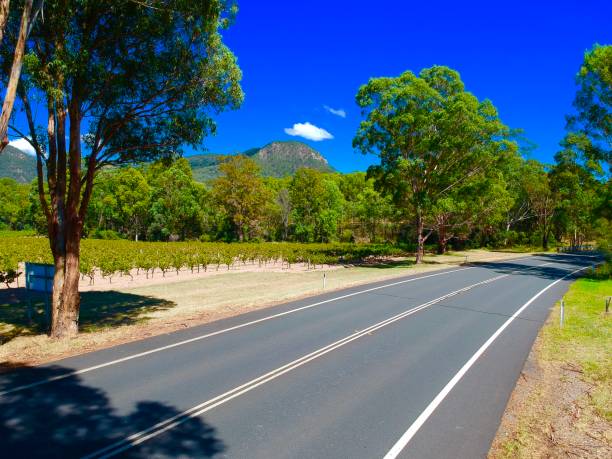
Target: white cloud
(23, 145)
(338, 112)
(309, 131)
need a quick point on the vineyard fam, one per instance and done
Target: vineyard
(107, 258)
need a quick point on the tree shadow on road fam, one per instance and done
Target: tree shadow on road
(66, 419)
(390, 263)
(564, 264)
(98, 310)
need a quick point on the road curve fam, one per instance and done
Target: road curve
(416, 367)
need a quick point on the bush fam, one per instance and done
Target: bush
(106, 234)
(347, 236)
(602, 272)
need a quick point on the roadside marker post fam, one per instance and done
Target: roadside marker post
(561, 317)
(324, 279)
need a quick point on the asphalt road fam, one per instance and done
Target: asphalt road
(417, 367)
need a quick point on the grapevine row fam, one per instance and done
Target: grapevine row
(112, 257)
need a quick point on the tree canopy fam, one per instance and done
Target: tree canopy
(589, 136)
(432, 136)
(135, 81)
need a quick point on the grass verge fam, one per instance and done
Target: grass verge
(562, 404)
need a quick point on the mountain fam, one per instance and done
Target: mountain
(205, 167)
(279, 159)
(17, 165)
(276, 159)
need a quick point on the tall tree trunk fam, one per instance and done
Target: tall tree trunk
(442, 245)
(4, 12)
(66, 298)
(420, 238)
(442, 237)
(508, 225)
(67, 224)
(545, 240)
(11, 90)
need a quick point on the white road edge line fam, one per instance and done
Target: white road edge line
(398, 447)
(218, 332)
(180, 418)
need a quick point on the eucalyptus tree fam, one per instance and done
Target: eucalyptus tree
(14, 199)
(542, 198)
(590, 126)
(432, 136)
(241, 194)
(520, 211)
(317, 204)
(176, 202)
(477, 206)
(578, 176)
(119, 82)
(374, 210)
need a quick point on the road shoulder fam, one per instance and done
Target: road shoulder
(560, 406)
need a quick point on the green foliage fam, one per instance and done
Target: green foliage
(316, 206)
(106, 234)
(585, 338)
(111, 257)
(449, 170)
(14, 213)
(176, 202)
(433, 138)
(120, 203)
(590, 127)
(241, 194)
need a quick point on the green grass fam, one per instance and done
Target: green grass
(553, 412)
(11, 233)
(585, 338)
(525, 249)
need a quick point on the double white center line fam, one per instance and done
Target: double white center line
(403, 441)
(161, 427)
(220, 332)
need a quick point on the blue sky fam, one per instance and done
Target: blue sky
(298, 57)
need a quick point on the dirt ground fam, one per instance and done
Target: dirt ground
(128, 310)
(549, 414)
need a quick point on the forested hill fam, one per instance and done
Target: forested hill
(17, 165)
(277, 159)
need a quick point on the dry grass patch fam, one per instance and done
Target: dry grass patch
(561, 406)
(128, 314)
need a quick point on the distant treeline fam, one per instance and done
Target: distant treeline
(529, 204)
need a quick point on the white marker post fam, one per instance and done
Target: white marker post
(561, 316)
(324, 279)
